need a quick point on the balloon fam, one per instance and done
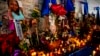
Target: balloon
(58, 9)
(62, 11)
(55, 8)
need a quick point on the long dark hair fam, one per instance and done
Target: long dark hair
(17, 11)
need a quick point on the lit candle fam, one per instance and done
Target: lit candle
(47, 54)
(51, 53)
(43, 55)
(97, 48)
(55, 50)
(62, 42)
(59, 51)
(88, 37)
(61, 45)
(63, 49)
(83, 44)
(73, 46)
(33, 54)
(94, 52)
(85, 40)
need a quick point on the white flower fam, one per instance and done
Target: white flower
(47, 38)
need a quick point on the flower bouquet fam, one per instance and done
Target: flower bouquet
(35, 13)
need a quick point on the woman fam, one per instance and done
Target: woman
(16, 11)
(15, 16)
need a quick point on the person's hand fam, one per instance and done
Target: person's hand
(5, 17)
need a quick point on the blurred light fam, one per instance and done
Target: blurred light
(94, 52)
(33, 54)
(97, 48)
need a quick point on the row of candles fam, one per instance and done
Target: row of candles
(72, 44)
(68, 46)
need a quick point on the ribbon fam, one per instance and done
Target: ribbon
(18, 29)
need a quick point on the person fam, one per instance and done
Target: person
(15, 15)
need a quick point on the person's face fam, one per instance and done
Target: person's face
(14, 5)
